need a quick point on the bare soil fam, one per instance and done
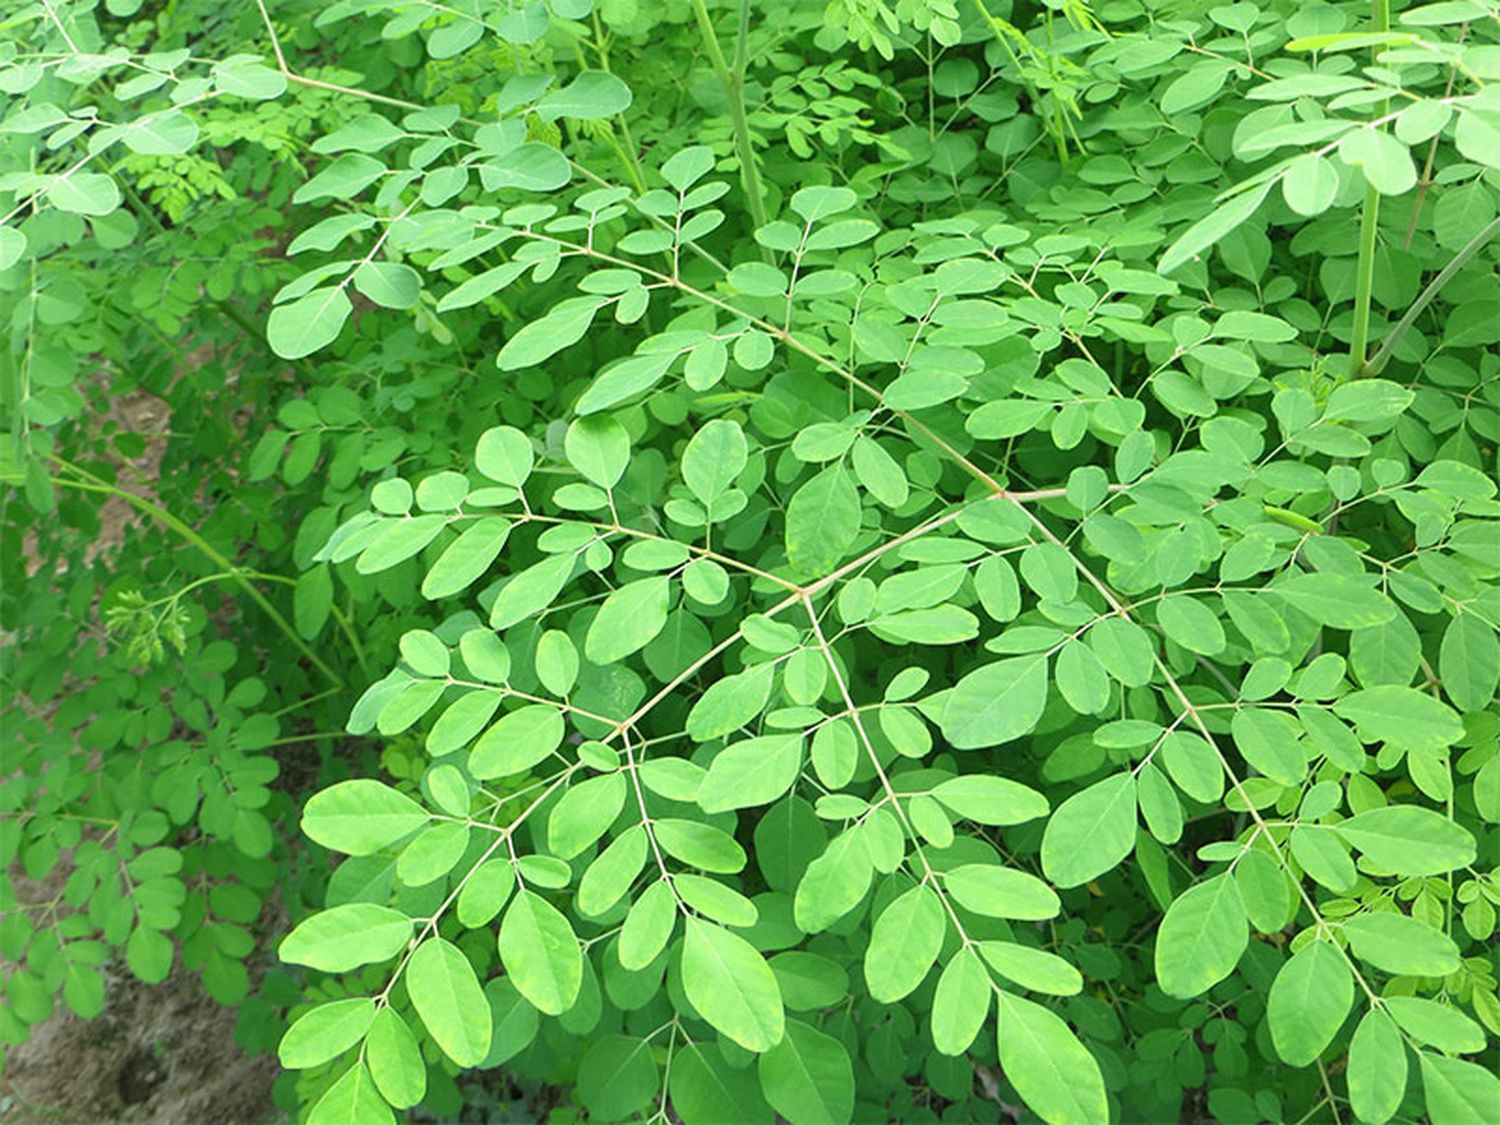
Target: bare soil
(164, 1053)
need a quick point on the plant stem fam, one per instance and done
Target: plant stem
(1369, 220)
(1461, 259)
(733, 81)
(91, 483)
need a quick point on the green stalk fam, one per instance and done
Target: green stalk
(92, 483)
(733, 81)
(1369, 219)
(1473, 246)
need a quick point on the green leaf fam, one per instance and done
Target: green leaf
(1213, 227)
(987, 799)
(346, 937)
(754, 771)
(599, 448)
(1033, 969)
(808, 1078)
(960, 1004)
(1398, 943)
(648, 926)
(1409, 840)
(541, 954)
(1458, 1092)
(715, 456)
(731, 986)
(1001, 892)
(352, 1100)
(544, 337)
(706, 1090)
(520, 740)
(629, 620)
(84, 193)
(12, 246)
(730, 703)
(446, 994)
(617, 1076)
(1310, 185)
(1090, 832)
(309, 323)
(360, 817)
(1052, 1071)
(504, 454)
(395, 1061)
(592, 95)
(1269, 741)
(996, 703)
(391, 285)
(1469, 662)
(1377, 1068)
(904, 943)
(1337, 600)
(1411, 718)
(161, 134)
(1191, 624)
(1202, 937)
(531, 591)
(1308, 1001)
(822, 522)
(325, 1032)
(585, 813)
(834, 883)
(1436, 1024)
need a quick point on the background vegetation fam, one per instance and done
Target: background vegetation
(885, 559)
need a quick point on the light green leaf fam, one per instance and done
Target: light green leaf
(1052, 1071)
(960, 1004)
(346, 937)
(808, 1078)
(628, 620)
(822, 522)
(751, 772)
(988, 799)
(1219, 221)
(303, 326)
(84, 193)
(1341, 601)
(1001, 892)
(541, 953)
(904, 943)
(714, 457)
(161, 134)
(391, 285)
(1377, 1068)
(1090, 832)
(1469, 662)
(467, 558)
(1308, 1001)
(1033, 969)
(1458, 1092)
(592, 95)
(517, 742)
(395, 1060)
(1400, 944)
(446, 994)
(585, 813)
(1409, 840)
(1202, 937)
(731, 986)
(325, 1032)
(352, 1100)
(996, 703)
(617, 1076)
(360, 817)
(544, 337)
(834, 883)
(730, 703)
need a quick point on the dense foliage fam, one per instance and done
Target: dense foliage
(885, 559)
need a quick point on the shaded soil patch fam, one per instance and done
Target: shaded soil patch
(164, 1053)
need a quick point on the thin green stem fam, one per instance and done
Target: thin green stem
(1369, 229)
(85, 481)
(733, 81)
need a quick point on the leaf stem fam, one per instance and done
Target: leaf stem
(733, 81)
